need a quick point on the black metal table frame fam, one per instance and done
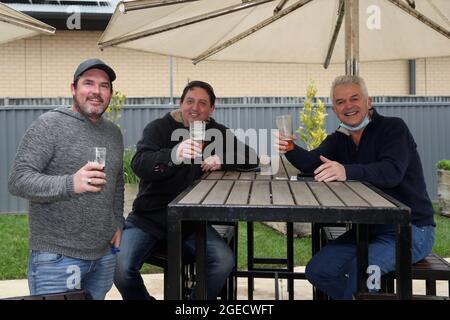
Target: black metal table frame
(202, 214)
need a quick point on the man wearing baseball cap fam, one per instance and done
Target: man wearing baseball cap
(86, 101)
(76, 205)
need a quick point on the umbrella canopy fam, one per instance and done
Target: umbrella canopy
(15, 25)
(298, 31)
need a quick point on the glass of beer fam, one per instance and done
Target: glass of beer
(98, 155)
(284, 124)
(197, 132)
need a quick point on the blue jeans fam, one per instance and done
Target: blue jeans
(333, 269)
(137, 244)
(54, 273)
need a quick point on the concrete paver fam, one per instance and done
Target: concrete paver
(264, 288)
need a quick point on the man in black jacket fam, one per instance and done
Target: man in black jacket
(380, 150)
(167, 161)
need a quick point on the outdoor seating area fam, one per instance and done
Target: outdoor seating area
(222, 195)
(173, 150)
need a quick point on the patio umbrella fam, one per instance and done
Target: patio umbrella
(284, 31)
(16, 25)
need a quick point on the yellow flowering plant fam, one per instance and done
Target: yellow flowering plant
(312, 119)
(113, 111)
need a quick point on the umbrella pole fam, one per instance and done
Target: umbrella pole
(171, 80)
(351, 11)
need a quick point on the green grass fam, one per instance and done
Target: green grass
(271, 244)
(13, 246)
(268, 243)
(442, 236)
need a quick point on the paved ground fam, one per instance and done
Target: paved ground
(264, 288)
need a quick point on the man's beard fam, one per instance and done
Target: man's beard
(86, 110)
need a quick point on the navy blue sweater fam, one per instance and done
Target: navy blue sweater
(386, 157)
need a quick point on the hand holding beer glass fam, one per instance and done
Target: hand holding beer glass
(197, 131)
(97, 158)
(284, 124)
(91, 177)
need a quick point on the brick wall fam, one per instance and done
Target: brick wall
(43, 66)
(433, 76)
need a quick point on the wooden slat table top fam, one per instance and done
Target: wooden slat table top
(325, 196)
(347, 195)
(284, 171)
(260, 193)
(240, 193)
(247, 176)
(253, 188)
(373, 198)
(250, 192)
(215, 175)
(219, 192)
(281, 193)
(231, 175)
(303, 194)
(198, 193)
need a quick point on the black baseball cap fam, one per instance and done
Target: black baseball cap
(91, 64)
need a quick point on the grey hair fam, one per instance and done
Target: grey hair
(349, 79)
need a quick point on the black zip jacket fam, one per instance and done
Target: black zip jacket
(161, 180)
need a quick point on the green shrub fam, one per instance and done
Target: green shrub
(128, 174)
(443, 164)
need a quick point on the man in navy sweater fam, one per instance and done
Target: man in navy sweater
(379, 150)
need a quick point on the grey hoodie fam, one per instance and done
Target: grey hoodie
(53, 149)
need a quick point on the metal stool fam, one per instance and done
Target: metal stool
(288, 261)
(159, 258)
(430, 269)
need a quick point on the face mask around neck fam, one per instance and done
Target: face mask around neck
(363, 124)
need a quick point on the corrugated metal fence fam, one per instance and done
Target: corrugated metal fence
(427, 117)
